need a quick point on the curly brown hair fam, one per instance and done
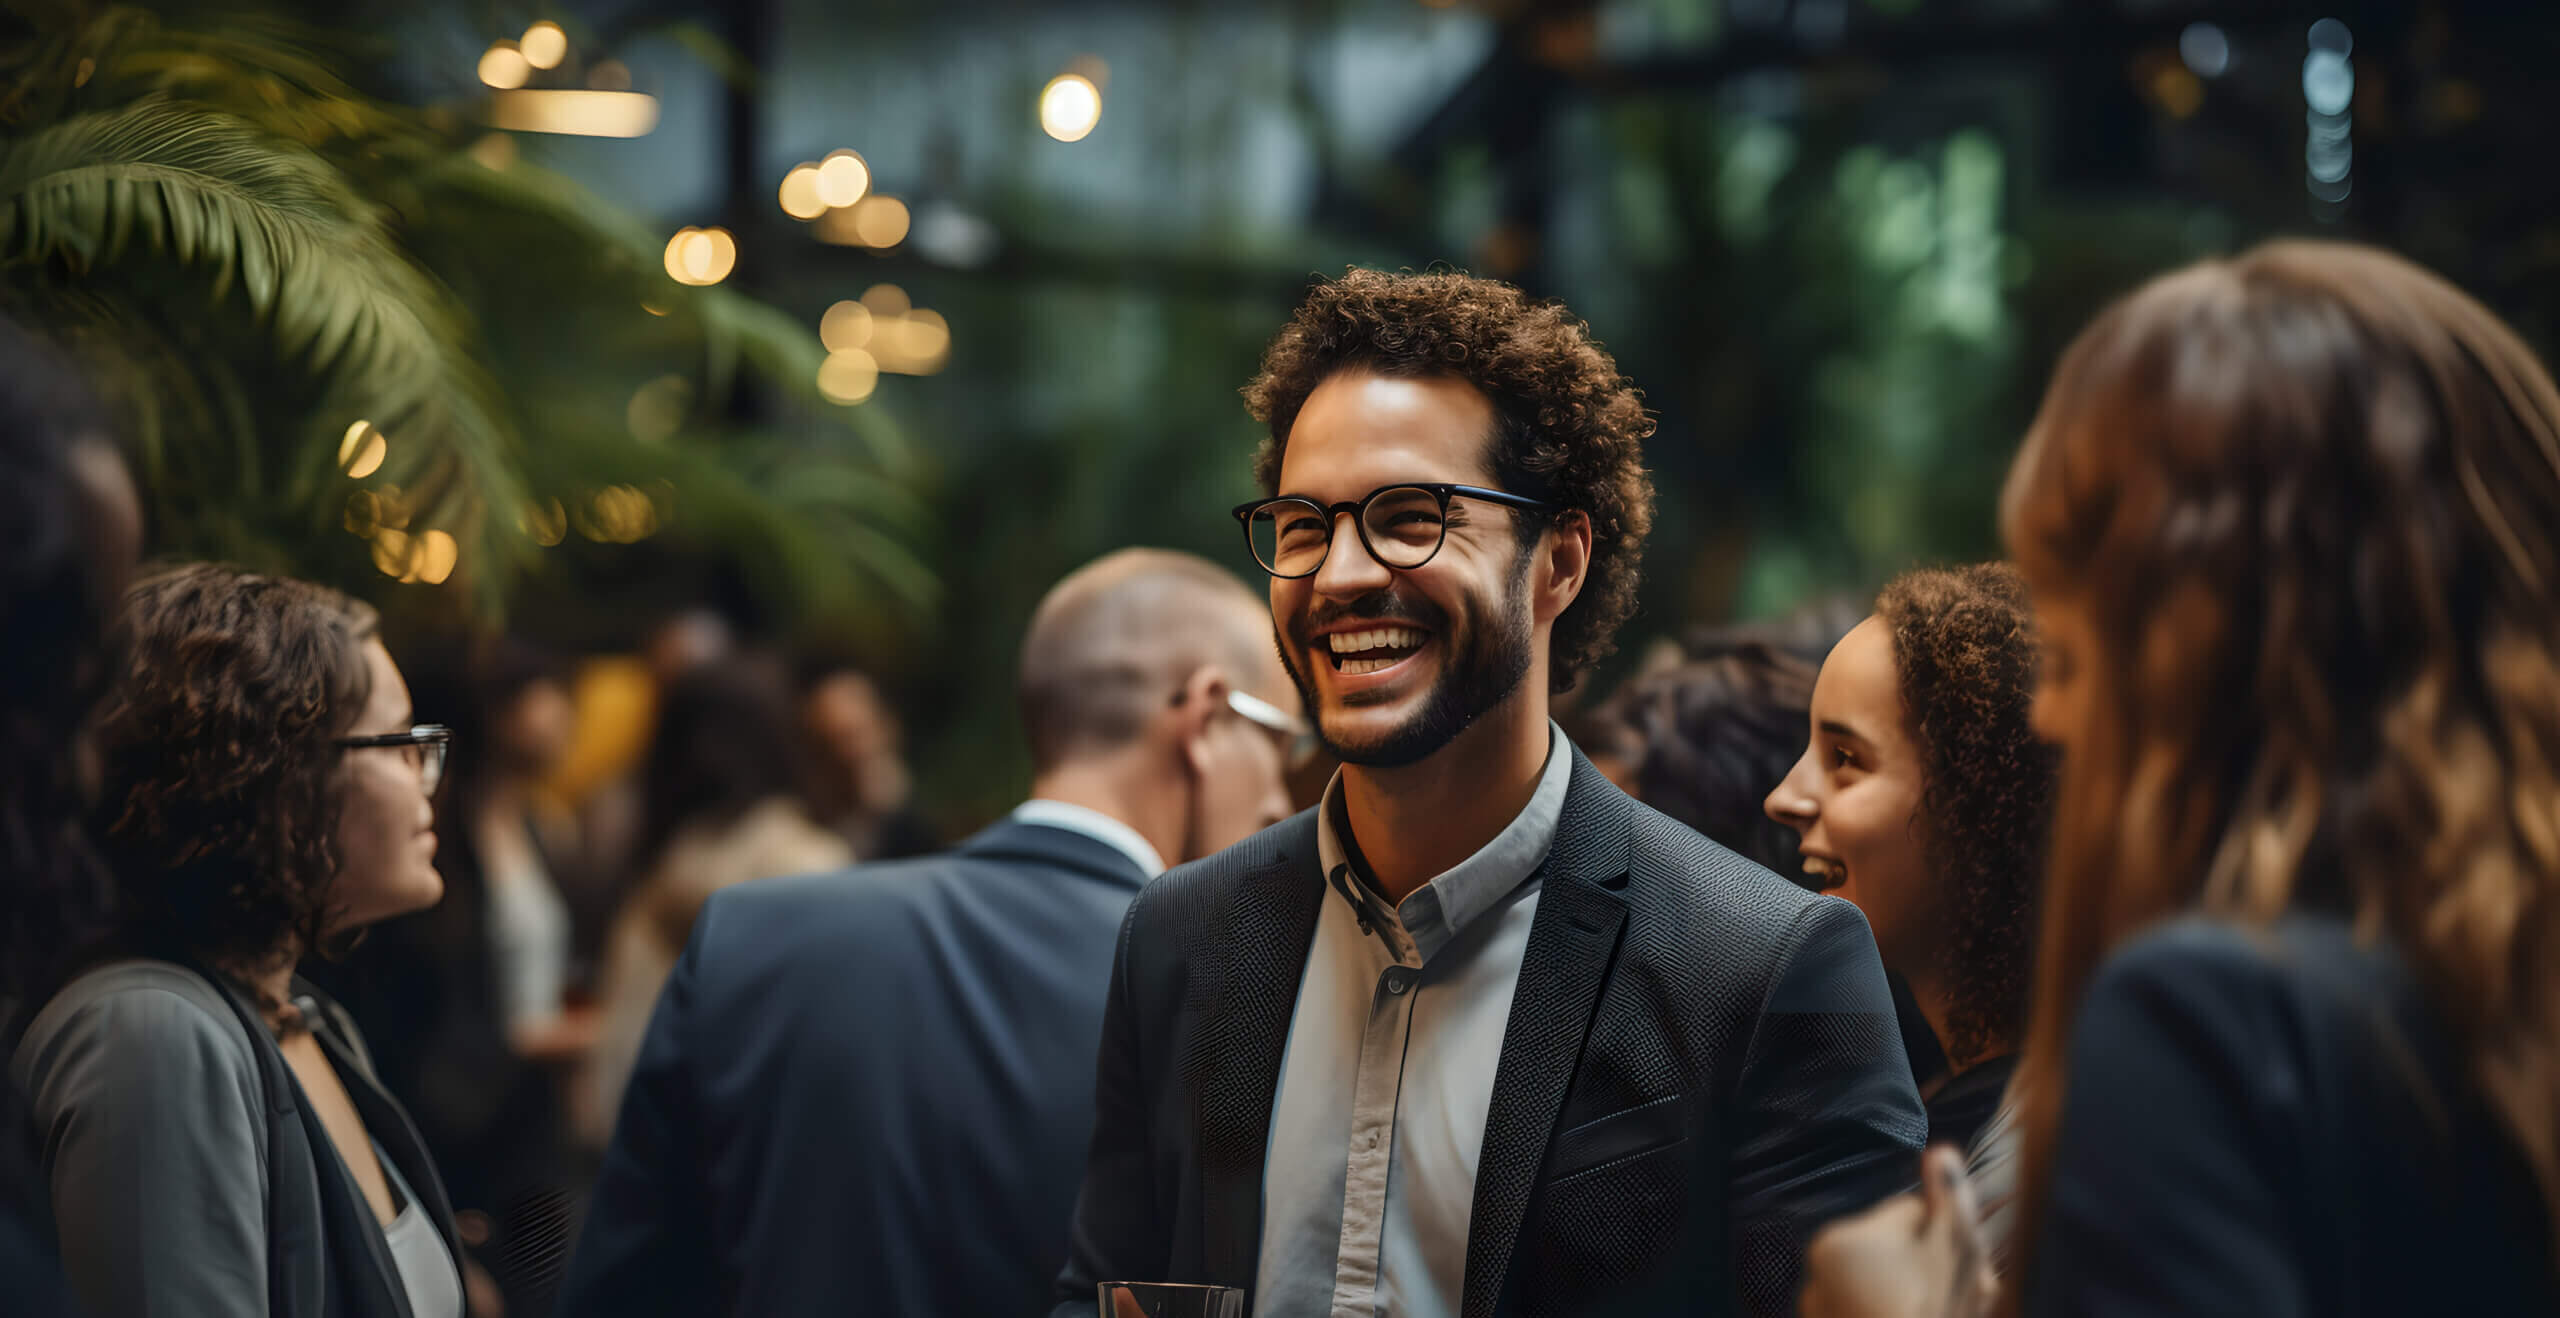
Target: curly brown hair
(1569, 428)
(1964, 650)
(219, 797)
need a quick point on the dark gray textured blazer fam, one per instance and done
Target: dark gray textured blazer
(188, 1176)
(1701, 1065)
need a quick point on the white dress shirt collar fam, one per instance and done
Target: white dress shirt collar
(1096, 825)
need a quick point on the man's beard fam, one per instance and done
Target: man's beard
(1472, 680)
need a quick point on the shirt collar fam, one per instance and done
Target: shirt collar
(1434, 913)
(1096, 825)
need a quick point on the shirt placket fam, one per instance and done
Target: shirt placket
(1375, 1090)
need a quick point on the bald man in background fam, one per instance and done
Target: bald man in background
(869, 1091)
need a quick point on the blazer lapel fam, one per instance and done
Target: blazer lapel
(1571, 941)
(1260, 949)
(390, 1127)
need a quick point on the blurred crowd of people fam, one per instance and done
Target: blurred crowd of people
(2188, 886)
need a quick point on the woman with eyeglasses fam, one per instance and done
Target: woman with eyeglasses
(211, 1126)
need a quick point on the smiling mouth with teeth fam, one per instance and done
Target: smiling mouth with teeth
(1376, 648)
(1827, 874)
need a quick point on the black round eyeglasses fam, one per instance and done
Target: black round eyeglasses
(1401, 526)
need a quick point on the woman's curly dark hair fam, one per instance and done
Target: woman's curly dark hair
(1964, 647)
(1570, 429)
(219, 804)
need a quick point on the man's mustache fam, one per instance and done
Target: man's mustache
(1376, 606)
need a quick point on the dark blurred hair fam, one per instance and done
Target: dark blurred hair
(728, 738)
(1707, 740)
(219, 802)
(1964, 651)
(55, 603)
(471, 686)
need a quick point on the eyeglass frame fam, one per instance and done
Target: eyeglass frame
(1444, 491)
(1280, 722)
(433, 740)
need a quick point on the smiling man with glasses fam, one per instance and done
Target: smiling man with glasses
(1478, 1034)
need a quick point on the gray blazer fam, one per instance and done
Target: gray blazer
(188, 1177)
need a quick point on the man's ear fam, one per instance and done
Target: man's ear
(1564, 563)
(1195, 708)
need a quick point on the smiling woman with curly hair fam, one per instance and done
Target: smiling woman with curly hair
(1923, 798)
(215, 1137)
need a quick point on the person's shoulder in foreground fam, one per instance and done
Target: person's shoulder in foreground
(145, 1093)
(2278, 1109)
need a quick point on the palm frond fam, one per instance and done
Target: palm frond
(158, 183)
(575, 226)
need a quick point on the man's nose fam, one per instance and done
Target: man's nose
(1349, 570)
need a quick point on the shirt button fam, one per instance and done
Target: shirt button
(1373, 1139)
(1398, 981)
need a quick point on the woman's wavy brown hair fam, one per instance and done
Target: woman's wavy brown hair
(1568, 428)
(1964, 654)
(219, 801)
(2308, 499)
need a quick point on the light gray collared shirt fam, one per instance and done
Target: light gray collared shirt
(1369, 1177)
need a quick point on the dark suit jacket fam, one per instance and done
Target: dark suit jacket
(1678, 1007)
(865, 1091)
(2275, 1123)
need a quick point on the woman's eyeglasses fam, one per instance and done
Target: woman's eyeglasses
(426, 746)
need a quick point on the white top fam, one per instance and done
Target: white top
(529, 942)
(427, 1269)
(1096, 825)
(1368, 1182)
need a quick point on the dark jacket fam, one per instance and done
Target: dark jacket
(865, 1091)
(2275, 1123)
(1678, 1008)
(425, 985)
(188, 1174)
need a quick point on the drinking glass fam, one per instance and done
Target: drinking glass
(1164, 1299)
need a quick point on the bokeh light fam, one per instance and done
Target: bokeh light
(846, 326)
(843, 178)
(437, 553)
(2206, 49)
(657, 409)
(887, 301)
(504, 67)
(849, 376)
(880, 222)
(701, 256)
(545, 45)
(575, 113)
(545, 520)
(1070, 107)
(361, 452)
(618, 514)
(800, 198)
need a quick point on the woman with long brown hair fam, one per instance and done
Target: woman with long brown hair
(2289, 521)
